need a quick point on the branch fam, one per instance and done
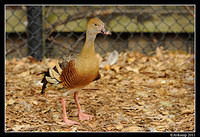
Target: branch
(76, 43)
(17, 48)
(63, 45)
(79, 16)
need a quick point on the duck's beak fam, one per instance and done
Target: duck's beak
(104, 31)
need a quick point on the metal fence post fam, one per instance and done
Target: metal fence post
(34, 29)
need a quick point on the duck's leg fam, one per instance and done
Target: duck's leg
(82, 116)
(67, 121)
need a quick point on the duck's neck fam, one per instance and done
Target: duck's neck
(87, 62)
(88, 48)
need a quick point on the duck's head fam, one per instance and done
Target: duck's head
(96, 26)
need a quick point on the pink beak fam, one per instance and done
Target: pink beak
(104, 31)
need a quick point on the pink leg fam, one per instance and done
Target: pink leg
(67, 121)
(82, 116)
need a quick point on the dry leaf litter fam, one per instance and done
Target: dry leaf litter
(138, 93)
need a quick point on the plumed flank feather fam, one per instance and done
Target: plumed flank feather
(58, 68)
(53, 75)
(51, 80)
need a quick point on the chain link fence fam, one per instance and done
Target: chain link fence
(54, 31)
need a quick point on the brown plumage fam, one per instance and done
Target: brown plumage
(76, 71)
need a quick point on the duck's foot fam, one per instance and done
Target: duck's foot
(83, 116)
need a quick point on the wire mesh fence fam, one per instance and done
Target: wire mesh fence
(54, 31)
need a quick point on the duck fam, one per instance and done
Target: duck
(72, 73)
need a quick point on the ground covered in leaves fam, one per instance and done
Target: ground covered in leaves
(138, 93)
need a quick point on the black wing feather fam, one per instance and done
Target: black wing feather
(44, 81)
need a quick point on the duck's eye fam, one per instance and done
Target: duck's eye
(95, 24)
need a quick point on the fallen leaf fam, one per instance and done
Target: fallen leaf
(109, 128)
(125, 82)
(24, 74)
(73, 129)
(136, 70)
(144, 59)
(10, 102)
(159, 53)
(34, 102)
(46, 110)
(165, 112)
(119, 126)
(160, 66)
(131, 60)
(19, 127)
(187, 111)
(107, 67)
(120, 77)
(150, 81)
(131, 129)
(141, 94)
(116, 68)
(165, 103)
